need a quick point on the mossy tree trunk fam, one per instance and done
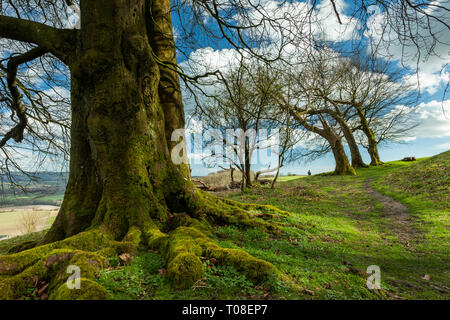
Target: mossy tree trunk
(342, 163)
(124, 190)
(357, 161)
(371, 139)
(124, 109)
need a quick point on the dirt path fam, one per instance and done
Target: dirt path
(397, 213)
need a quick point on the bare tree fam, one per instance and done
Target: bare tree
(377, 97)
(238, 110)
(311, 111)
(324, 68)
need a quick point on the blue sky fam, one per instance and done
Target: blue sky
(432, 136)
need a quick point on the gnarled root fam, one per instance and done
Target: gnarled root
(184, 247)
(88, 251)
(232, 212)
(183, 240)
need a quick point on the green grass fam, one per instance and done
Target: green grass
(334, 223)
(335, 231)
(335, 220)
(424, 187)
(144, 279)
(5, 245)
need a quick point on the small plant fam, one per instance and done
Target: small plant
(255, 234)
(28, 222)
(228, 232)
(227, 280)
(136, 281)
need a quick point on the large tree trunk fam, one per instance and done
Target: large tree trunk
(342, 164)
(372, 141)
(124, 190)
(357, 161)
(247, 164)
(124, 109)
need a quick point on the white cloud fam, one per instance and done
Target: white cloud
(207, 59)
(425, 56)
(328, 25)
(291, 25)
(444, 146)
(428, 82)
(433, 120)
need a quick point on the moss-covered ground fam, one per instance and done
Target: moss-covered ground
(335, 231)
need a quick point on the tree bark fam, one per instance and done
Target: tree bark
(58, 42)
(357, 161)
(372, 141)
(342, 164)
(272, 185)
(124, 108)
(247, 164)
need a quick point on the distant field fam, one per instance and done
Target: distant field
(11, 219)
(46, 188)
(28, 200)
(222, 178)
(289, 178)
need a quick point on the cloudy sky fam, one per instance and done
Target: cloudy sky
(430, 137)
(432, 111)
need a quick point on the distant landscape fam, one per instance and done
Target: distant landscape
(45, 188)
(32, 208)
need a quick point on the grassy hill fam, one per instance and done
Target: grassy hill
(395, 216)
(428, 179)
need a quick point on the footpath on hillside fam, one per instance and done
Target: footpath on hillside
(395, 211)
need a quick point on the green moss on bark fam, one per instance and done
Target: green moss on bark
(124, 191)
(185, 269)
(189, 242)
(89, 290)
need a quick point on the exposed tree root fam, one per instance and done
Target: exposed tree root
(185, 246)
(233, 212)
(87, 250)
(183, 241)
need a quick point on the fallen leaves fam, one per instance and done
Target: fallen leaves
(39, 292)
(162, 271)
(125, 258)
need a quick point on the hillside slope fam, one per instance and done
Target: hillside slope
(428, 179)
